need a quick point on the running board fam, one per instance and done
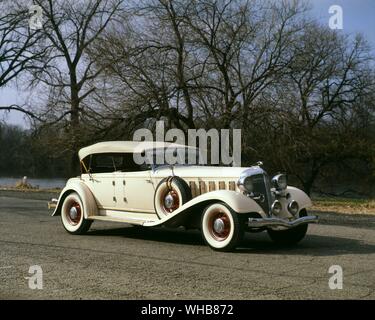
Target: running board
(123, 220)
(126, 217)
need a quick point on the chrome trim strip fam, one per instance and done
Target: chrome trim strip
(270, 197)
(277, 222)
(131, 210)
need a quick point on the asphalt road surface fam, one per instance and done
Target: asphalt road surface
(116, 261)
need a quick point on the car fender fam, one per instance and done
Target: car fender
(90, 207)
(301, 197)
(235, 200)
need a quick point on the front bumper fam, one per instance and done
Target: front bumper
(277, 222)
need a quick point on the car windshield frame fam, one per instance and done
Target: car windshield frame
(152, 153)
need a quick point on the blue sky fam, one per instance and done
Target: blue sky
(359, 16)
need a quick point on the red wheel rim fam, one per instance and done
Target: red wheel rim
(219, 226)
(74, 213)
(170, 201)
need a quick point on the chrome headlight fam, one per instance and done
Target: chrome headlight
(280, 182)
(246, 184)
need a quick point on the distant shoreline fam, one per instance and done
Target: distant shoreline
(35, 183)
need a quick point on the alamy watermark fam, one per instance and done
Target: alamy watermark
(36, 19)
(35, 280)
(336, 280)
(221, 149)
(336, 21)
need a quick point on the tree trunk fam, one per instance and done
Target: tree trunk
(74, 127)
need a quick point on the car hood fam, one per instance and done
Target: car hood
(204, 171)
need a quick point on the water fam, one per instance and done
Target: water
(41, 183)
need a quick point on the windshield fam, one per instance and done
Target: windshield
(173, 156)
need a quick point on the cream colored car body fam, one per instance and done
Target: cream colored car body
(129, 196)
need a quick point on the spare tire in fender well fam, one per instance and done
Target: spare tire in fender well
(178, 191)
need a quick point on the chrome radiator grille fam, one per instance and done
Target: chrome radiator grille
(262, 192)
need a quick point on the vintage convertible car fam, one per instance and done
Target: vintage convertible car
(223, 202)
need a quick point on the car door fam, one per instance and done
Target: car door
(135, 192)
(102, 186)
(101, 179)
(134, 189)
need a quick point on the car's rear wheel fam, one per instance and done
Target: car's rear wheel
(72, 215)
(290, 236)
(171, 194)
(221, 227)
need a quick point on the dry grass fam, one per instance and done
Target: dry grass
(27, 190)
(346, 206)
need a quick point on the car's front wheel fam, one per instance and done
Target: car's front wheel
(72, 215)
(221, 227)
(290, 236)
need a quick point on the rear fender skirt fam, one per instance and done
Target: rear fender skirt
(89, 204)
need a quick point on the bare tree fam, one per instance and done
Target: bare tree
(19, 49)
(299, 91)
(147, 67)
(69, 29)
(314, 122)
(201, 61)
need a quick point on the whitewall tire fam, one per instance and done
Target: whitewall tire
(221, 227)
(73, 215)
